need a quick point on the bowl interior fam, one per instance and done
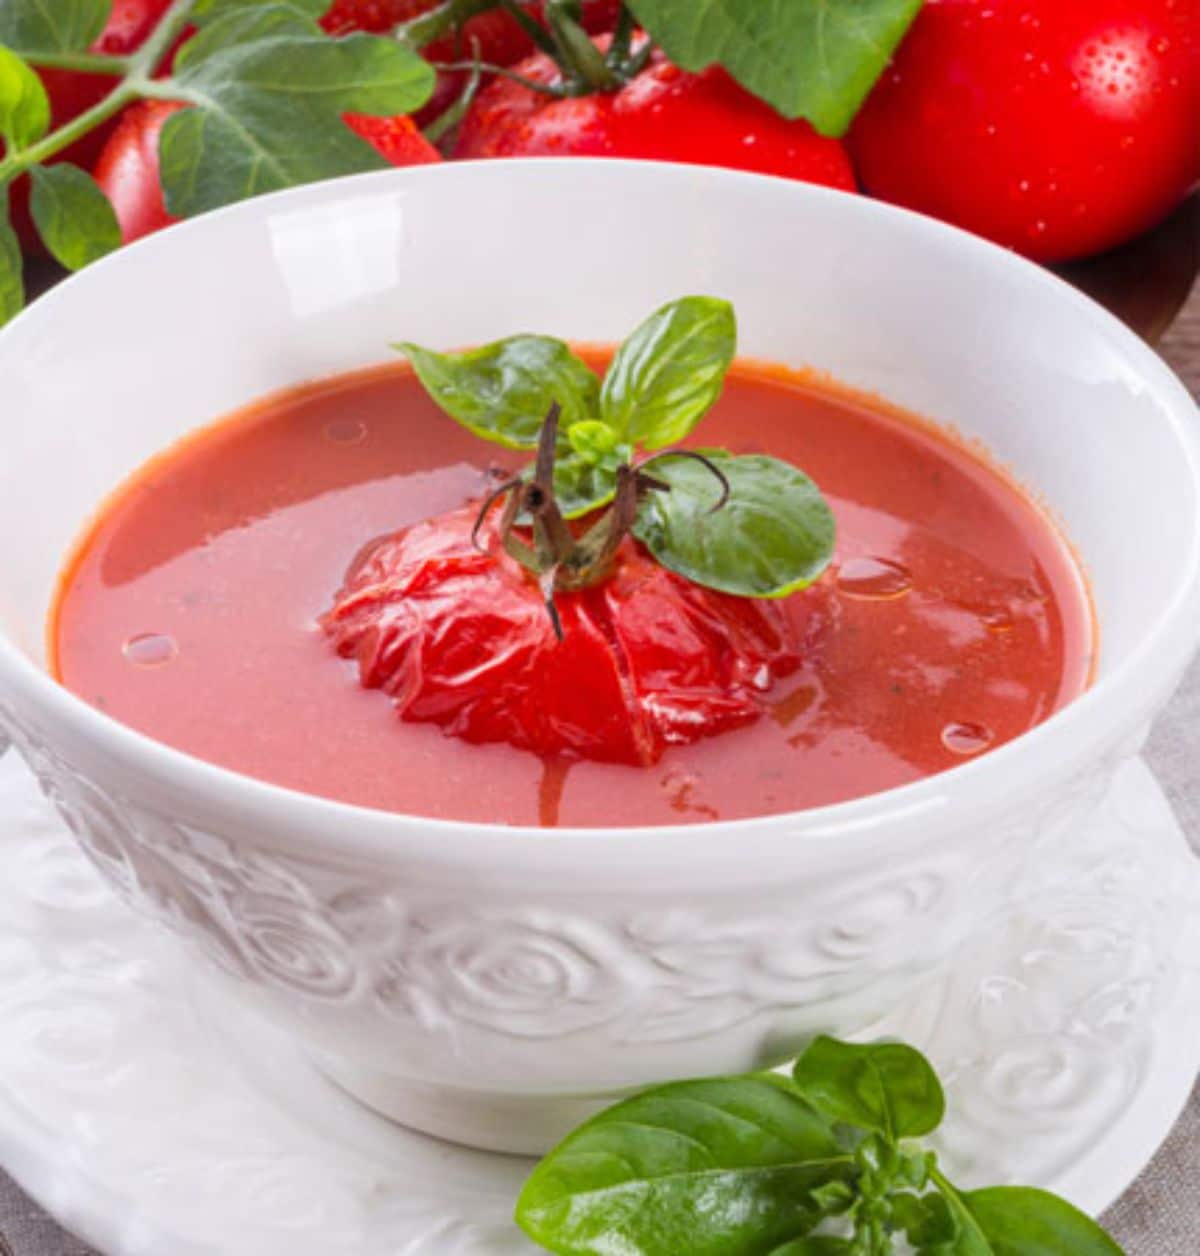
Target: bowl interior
(174, 332)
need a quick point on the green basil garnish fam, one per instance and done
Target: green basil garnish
(756, 1165)
(883, 1086)
(1019, 1221)
(502, 390)
(774, 535)
(722, 1167)
(666, 376)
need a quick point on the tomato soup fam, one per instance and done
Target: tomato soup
(957, 618)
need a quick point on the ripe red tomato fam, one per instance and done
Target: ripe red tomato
(128, 168)
(129, 25)
(462, 640)
(498, 36)
(664, 114)
(1056, 127)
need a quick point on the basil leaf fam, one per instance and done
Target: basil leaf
(581, 486)
(12, 285)
(1017, 1221)
(502, 391)
(926, 1220)
(719, 1167)
(669, 372)
(814, 59)
(268, 89)
(32, 26)
(883, 1086)
(774, 535)
(24, 105)
(73, 216)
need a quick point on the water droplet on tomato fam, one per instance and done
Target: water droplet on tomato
(1161, 45)
(346, 431)
(964, 737)
(874, 579)
(1036, 229)
(150, 649)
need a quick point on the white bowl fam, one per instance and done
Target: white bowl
(484, 982)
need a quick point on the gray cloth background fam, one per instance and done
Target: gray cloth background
(1160, 1214)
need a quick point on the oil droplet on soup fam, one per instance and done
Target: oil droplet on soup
(150, 649)
(966, 738)
(873, 578)
(949, 594)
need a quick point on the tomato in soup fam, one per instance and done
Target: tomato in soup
(952, 619)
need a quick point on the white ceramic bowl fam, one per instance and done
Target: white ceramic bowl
(482, 981)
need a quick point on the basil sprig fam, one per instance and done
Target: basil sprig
(775, 532)
(264, 89)
(754, 1165)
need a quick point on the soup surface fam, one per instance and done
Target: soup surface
(957, 617)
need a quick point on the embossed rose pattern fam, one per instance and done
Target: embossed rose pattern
(446, 967)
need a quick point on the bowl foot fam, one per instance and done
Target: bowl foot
(520, 1125)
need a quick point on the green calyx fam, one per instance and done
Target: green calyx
(748, 525)
(815, 1164)
(584, 68)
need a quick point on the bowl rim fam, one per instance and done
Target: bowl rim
(1080, 730)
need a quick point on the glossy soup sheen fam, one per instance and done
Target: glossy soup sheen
(958, 618)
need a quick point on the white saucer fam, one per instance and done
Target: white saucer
(151, 1116)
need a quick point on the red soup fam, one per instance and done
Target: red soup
(953, 616)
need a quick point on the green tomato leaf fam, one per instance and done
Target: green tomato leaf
(815, 1245)
(720, 1167)
(208, 11)
(503, 391)
(814, 59)
(883, 1086)
(12, 284)
(268, 89)
(24, 105)
(73, 216)
(33, 26)
(773, 536)
(1019, 1221)
(669, 372)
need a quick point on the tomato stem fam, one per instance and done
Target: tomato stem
(535, 30)
(622, 39)
(453, 114)
(443, 20)
(81, 62)
(584, 66)
(560, 560)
